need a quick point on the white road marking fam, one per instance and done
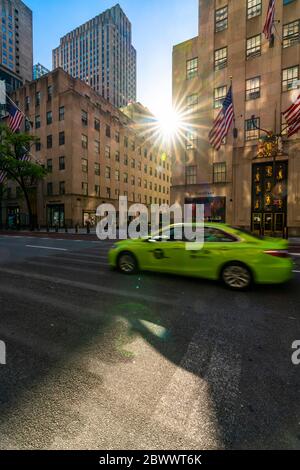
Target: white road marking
(98, 289)
(46, 247)
(298, 272)
(295, 254)
(81, 261)
(188, 404)
(64, 267)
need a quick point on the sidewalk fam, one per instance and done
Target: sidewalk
(80, 235)
(62, 234)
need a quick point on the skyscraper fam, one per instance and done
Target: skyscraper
(16, 57)
(100, 53)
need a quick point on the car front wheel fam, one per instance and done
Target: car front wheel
(236, 276)
(127, 263)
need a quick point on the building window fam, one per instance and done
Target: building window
(84, 141)
(37, 122)
(49, 117)
(117, 175)
(117, 137)
(61, 138)
(126, 160)
(192, 68)
(290, 78)
(139, 182)
(62, 113)
(125, 178)
(97, 125)
(49, 165)
(219, 96)
(108, 193)
(27, 103)
(38, 146)
(253, 88)
(62, 187)
(132, 163)
(253, 8)
(38, 98)
(221, 58)
(107, 131)
(221, 19)
(97, 169)
(191, 140)
(84, 118)
(192, 101)
(49, 189)
(97, 147)
(97, 190)
(50, 92)
(62, 165)
(49, 141)
(251, 131)
(107, 152)
(84, 189)
(290, 34)
(253, 46)
(133, 145)
(84, 165)
(191, 175)
(132, 180)
(219, 172)
(126, 142)
(117, 156)
(107, 173)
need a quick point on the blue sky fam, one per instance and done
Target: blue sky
(157, 26)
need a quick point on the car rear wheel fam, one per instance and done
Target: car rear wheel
(236, 276)
(127, 263)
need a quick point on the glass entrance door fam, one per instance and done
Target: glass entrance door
(56, 215)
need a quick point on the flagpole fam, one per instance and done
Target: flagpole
(232, 156)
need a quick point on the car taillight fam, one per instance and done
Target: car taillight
(278, 253)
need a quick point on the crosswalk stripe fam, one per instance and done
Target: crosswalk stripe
(131, 294)
(188, 406)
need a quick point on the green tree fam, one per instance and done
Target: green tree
(16, 163)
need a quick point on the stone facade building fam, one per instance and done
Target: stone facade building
(243, 183)
(92, 151)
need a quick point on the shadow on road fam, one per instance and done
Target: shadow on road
(252, 383)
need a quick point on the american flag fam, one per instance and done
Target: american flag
(292, 117)
(223, 122)
(15, 117)
(2, 176)
(268, 28)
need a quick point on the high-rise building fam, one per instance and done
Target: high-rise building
(100, 53)
(250, 182)
(39, 70)
(16, 56)
(93, 153)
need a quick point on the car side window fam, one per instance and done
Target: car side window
(167, 236)
(213, 235)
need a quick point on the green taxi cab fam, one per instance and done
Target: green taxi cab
(234, 256)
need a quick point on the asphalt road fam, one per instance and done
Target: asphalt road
(96, 360)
